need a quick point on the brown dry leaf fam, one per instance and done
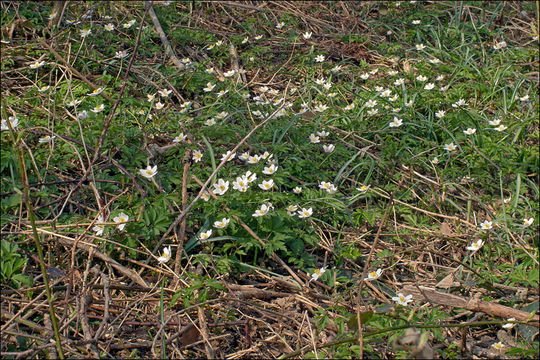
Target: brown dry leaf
(448, 281)
(190, 335)
(446, 230)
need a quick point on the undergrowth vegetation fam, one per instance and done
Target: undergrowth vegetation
(277, 185)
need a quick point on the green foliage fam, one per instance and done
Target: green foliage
(12, 265)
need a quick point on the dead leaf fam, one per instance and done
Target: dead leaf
(446, 230)
(190, 335)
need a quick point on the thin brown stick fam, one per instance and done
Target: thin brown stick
(182, 231)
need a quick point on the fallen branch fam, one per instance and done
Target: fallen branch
(423, 293)
(168, 48)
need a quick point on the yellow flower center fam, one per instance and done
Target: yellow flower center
(372, 274)
(148, 172)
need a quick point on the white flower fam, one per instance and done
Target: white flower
(499, 45)
(476, 245)
(197, 156)
(267, 184)
(180, 138)
(364, 76)
(374, 275)
(121, 221)
(501, 128)
(509, 325)
(291, 208)
(98, 108)
(95, 92)
(37, 64)
(85, 32)
(305, 213)
(429, 86)
(44, 88)
(386, 93)
(439, 78)
(150, 97)
(258, 37)
(254, 159)
(241, 184)
(165, 256)
(459, 103)
(280, 25)
(336, 69)
(317, 273)
(371, 103)
(435, 160)
(307, 35)
(319, 58)
(149, 172)
(498, 346)
(46, 139)
(450, 147)
(402, 300)
(440, 114)
(269, 170)
(221, 93)
(396, 122)
(205, 235)
(393, 98)
(363, 189)
(494, 122)
(314, 139)
(469, 131)
(159, 105)
(12, 120)
(185, 61)
(323, 133)
(528, 222)
(74, 103)
(409, 103)
(263, 210)
(320, 107)
(221, 187)
(229, 73)
(421, 78)
(420, 46)
(209, 70)
(221, 223)
(392, 72)
(121, 54)
(435, 61)
(373, 71)
(297, 190)
(210, 122)
(372, 112)
(486, 225)
(205, 195)
(109, 27)
(165, 93)
(129, 24)
(99, 227)
(524, 98)
(209, 87)
(349, 107)
(328, 148)
(229, 155)
(416, 22)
